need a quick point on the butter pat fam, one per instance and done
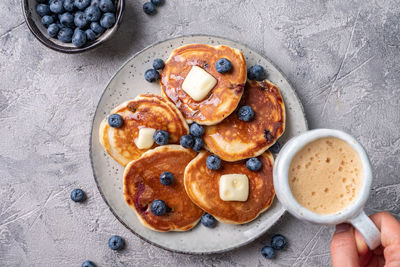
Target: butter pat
(234, 187)
(145, 139)
(198, 83)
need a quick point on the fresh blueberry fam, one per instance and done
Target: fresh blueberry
(79, 38)
(47, 20)
(80, 20)
(78, 195)
(223, 65)
(107, 20)
(275, 148)
(253, 164)
(116, 242)
(161, 137)
(278, 242)
(196, 130)
(115, 120)
(52, 30)
(92, 13)
(166, 178)
(268, 252)
(69, 5)
(151, 75)
(56, 6)
(106, 6)
(245, 113)
(158, 207)
(187, 141)
(95, 3)
(96, 27)
(158, 64)
(213, 162)
(88, 264)
(82, 4)
(65, 35)
(157, 2)
(256, 72)
(149, 8)
(67, 19)
(43, 10)
(90, 35)
(208, 220)
(198, 144)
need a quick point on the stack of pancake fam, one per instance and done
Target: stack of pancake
(196, 188)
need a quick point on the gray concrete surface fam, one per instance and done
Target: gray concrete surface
(342, 56)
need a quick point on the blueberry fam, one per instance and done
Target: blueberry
(80, 20)
(158, 207)
(157, 2)
(47, 20)
(107, 20)
(96, 27)
(115, 121)
(256, 72)
(56, 6)
(95, 3)
(42, 1)
(161, 137)
(78, 195)
(90, 35)
(69, 5)
(88, 264)
(43, 10)
(158, 64)
(79, 38)
(268, 252)
(106, 6)
(67, 19)
(198, 144)
(166, 178)
(65, 35)
(253, 164)
(151, 75)
(82, 4)
(208, 220)
(223, 65)
(245, 113)
(278, 242)
(196, 130)
(52, 30)
(275, 148)
(213, 162)
(187, 141)
(149, 8)
(92, 13)
(116, 242)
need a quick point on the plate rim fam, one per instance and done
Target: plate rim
(91, 135)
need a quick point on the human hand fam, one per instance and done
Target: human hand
(349, 249)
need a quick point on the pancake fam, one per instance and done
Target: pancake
(142, 185)
(145, 110)
(233, 139)
(225, 95)
(202, 186)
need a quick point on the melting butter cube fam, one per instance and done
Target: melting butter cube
(145, 139)
(198, 83)
(234, 187)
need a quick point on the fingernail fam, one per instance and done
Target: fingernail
(343, 227)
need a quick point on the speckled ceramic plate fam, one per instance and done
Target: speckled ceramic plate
(127, 83)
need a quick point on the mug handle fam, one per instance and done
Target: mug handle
(367, 229)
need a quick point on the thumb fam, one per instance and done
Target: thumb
(343, 247)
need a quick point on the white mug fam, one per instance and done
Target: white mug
(353, 214)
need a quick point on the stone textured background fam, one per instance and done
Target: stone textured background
(342, 57)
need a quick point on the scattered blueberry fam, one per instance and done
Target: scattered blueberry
(268, 252)
(166, 178)
(116, 242)
(95, 3)
(79, 38)
(149, 8)
(187, 141)
(196, 129)
(223, 65)
(107, 20)
(208, 220)
(43, 10)
(106, 6)
(245, 113)
(96, 27)
(158, 207)
(158, 64)
(47, 20)
(80, 20)
(278, 242)
(88, 264)
(82, 4)
(65, 35)
(157, 2)
(198, 144)
(67, 19)
(115, 120)
(256, 72)
(69, 5)
(92, 13)
(275, 148)
(213, 162)
(90, 35)
(253, 164)
(56, 6)
(161, 137)
(151, 75)
(77, 195)
(52, 30)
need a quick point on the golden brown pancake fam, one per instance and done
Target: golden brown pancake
(142, 185)
(223, 98)
(202, 186)
(145, 110)
(233, 139)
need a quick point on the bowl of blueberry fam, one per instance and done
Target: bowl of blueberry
(73, 26)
